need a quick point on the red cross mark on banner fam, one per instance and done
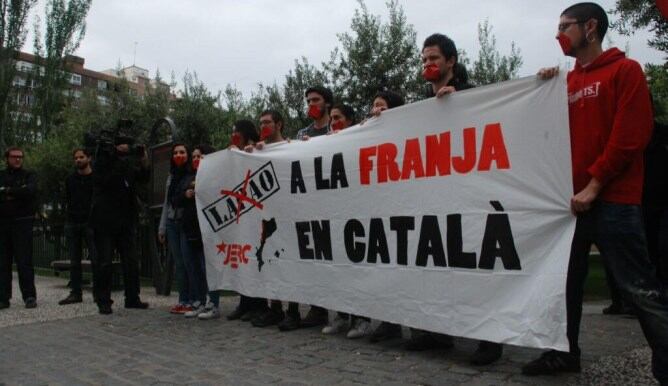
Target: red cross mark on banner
(235, 254)
(242, 196)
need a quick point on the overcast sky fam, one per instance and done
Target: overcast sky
(251, 41)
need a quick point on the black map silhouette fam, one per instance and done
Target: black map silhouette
(268, 229)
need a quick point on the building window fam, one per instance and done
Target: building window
(75, 79)
(18, 81)
(101, 84)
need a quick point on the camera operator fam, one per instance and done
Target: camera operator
(17, 213)
(118, 168)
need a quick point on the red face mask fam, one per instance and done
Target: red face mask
(236, 139)
(179, 160)
(431, 73)
(314, 112)
(338, 125)
(196, 163)
(266, 132)
(566, 44)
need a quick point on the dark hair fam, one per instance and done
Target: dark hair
(346, 110)
(204, 148)
(392, 98)
(583, 12)
(12, 148)
(444, 43)
(275, 116)
(247, 130)
(173, 168)
(81, 149)
(323, 91)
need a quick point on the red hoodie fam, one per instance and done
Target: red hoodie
(611, 122)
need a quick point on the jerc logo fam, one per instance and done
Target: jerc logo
(234, 254)
(249, 194)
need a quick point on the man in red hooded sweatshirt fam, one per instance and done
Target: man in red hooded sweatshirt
(610, 123)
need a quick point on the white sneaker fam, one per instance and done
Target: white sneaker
(361, 328)
(337, 325)
(198, 308)
(209, 313)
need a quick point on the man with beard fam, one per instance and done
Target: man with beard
(319, 100)
(610, 119)
(78, 195)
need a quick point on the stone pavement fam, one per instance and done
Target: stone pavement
(73, 345)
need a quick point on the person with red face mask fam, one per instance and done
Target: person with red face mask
(445, 75)
(170, 230)
(341, 116)
(610, 119)
(192, 247)
(245, 134)
(319, 101)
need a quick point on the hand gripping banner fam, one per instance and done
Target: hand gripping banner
(448, 215)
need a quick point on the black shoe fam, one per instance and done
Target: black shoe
(252, 314)
(71, 299)
(4, 304)
(316, 317)
(290, 322)
(136, 303)
(104, 308)
(486, 354)
(237, 313)
(385, 331)
(268, 318)
(423, 340)
(553, 362)
(31, 302)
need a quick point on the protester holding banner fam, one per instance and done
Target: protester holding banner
(170, 230)
(245, 134)
(610, 122)
(385, 100)
(271, 131)
(319, 101)
(445, 76)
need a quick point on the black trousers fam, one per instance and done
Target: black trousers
(16, 246)
(123, 240)
(76, 233)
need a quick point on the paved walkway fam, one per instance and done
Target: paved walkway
(73, 345)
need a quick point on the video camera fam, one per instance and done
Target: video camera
(103, 143)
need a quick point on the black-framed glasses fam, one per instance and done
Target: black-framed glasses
(562, 27)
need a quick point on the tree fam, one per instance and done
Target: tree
(376, 55)
(65, 28)
(657, 80)
(197, 113)
(13, 16)
(636, 14)
(490, 66)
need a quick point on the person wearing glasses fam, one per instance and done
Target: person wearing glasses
(610, 119)
(18, 188)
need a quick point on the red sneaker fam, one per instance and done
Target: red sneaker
(177, 309)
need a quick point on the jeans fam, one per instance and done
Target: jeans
(656, 227)
(75, 234)
(123, 240)
(16, 245)
(173, 236)
(618, 232)
(193, 261)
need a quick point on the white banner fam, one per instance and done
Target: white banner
(448, 215)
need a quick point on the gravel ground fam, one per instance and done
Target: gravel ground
(631, 368)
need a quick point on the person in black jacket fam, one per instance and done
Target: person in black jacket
(18, 188)
(116, 173)
(78, 196)
(655, 200)
(446, 76)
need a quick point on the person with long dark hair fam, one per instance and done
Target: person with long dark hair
(169, 229)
